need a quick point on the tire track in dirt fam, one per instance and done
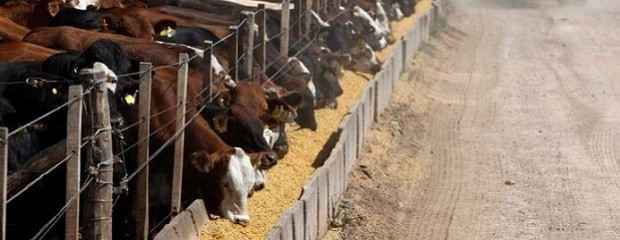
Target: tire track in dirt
(451, 130)
(516, 112)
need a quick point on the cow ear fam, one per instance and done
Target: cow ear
(201, 162)
(220, 122)
(53, 7)
(224, 100)
(165, 27)
(106, 23)
(283, 109)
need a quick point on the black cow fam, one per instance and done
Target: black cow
(84, 19)
(37, 88)
(25, 145)
(355, 53)
(392, 8)
(168, 31)
(407, 6)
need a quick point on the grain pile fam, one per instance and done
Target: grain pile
(285, 181)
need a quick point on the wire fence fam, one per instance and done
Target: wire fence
(198, 104)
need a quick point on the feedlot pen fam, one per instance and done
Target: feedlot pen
(308, 151)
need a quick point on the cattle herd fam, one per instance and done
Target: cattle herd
(238, 121)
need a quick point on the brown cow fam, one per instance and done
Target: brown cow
(210, 151)
(11, 31)
(32, 15)
(224, 175)
(155, 17)
(21, 51)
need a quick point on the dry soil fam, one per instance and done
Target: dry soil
(507, 128)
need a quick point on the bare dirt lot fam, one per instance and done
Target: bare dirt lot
(507, 128)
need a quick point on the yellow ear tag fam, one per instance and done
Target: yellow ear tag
(277, 113)
(130, 99)
(164, 32)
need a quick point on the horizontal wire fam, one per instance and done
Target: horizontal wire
(49, 225)
(167, 143)
(48, 113)
(33, 182)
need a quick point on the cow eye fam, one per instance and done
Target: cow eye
(371, 30)
(54, 91)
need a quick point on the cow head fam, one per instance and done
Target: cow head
(282, 111)
(317, 24)
(131, 25)
(352, 49)
(107, 56)
(324, 81)
(240, 121)
(369, 28)
(364, 58)
(394, 12)
(51, 7)
(238, 184)
(303, 86)
(382, 18)
(44, 10)
(235, 177)
(407, 7)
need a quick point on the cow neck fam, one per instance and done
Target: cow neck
(204, 137)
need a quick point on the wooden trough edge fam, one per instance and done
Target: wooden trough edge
(310, 216)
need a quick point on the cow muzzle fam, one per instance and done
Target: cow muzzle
(269, 160)
(281, 151)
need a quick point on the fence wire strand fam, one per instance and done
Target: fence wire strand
(50, 224)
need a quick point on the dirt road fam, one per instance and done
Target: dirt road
(508, 128)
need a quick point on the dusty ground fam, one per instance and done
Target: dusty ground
(506, 129)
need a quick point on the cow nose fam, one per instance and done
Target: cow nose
(390, 40)
(375, 69)
(271, 159)
(333, 104)
(259, 187)
(281, 150)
